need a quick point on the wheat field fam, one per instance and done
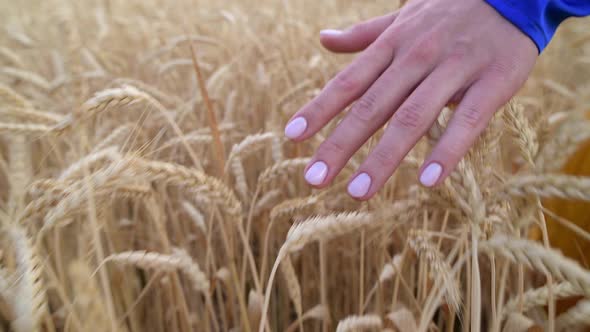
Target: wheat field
(145, 184)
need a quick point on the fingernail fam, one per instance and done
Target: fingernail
(431, 174)
(359, 187)
(330, 32)
(296, 127)
(316, 174)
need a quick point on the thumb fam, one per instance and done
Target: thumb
(357, 37)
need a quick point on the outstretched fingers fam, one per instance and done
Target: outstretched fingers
(369, 113)
(410, 122)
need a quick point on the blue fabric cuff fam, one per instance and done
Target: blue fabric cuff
(520, 18)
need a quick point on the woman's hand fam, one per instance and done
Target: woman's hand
(413, 63)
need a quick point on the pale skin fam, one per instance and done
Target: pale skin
(411, 64)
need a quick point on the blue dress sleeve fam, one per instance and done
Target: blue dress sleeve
(540, 18)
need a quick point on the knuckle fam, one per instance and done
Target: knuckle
(359, 29)
(452, 151)
(461, 51)
(383, 158)
(504, 70)
(331, 147)
(388, 42)
(409, 116)
(316, 110)
(470, 117)
(346, 82)
(424, 51)
(366, 107)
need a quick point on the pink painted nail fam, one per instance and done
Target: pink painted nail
(359, 187)
(296, 127)
(316, 174)
(431, 174)
(330, 32)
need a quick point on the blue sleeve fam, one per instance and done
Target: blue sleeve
(540, 18)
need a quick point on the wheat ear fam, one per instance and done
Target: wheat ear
(536, 256)
(28, 76)
(195, 215)
(548, 185)
(250, 144)
(280, 169)
(75, 169)
(518, 322)
(419, 242)
(30, 301)
(24, 128)
(360, 323)
(187, 177)
(289, 207)
(577, 316)
(522, 131)
(178, 260)
(403, 319)
(293, 287)
(103, 100)
(563, 144)
(540, 297)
